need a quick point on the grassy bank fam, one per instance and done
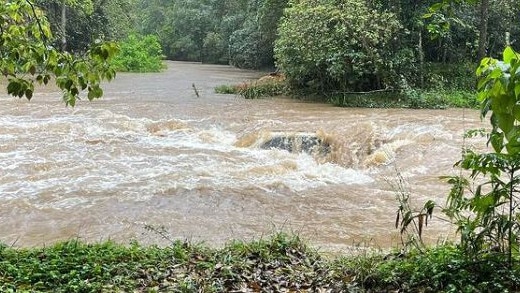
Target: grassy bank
(282, 263)
(414, 99)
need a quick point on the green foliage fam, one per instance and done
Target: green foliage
(244, 46)
(226, 89)
(238, 32)
(267, 86)
(409, 221)
(450, 76)
(214, 49)
(407, 98)
(446, 268)
(252, 44)
(139, 54)
(88, 20)
(348, 53)
(454, 27)
(262, 89)
(26, 56)
(280, 263)
(487, 216)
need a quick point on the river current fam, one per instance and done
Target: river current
(151, 153)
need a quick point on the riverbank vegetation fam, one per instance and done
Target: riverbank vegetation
(410, 53)
(404, 53)
(281, 263)
(139, 54)
(418, 54)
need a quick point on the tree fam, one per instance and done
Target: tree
(28, 57)
(61, 8)
(93, 19)
(238, 32)
(252, 45)
(488, 24)
(483, 29)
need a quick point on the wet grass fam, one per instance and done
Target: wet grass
(267, 86)
(281, 263)
(414, 99)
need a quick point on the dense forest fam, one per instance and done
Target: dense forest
(342, 45)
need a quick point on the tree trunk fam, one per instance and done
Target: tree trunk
(420, 50)
(63, 26)
(483, 29)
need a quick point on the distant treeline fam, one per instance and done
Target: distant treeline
(322, 44)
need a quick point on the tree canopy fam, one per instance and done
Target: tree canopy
(336, 44)
(324, 45)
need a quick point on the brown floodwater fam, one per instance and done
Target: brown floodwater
(152, 153)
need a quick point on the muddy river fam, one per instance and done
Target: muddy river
(153, 154)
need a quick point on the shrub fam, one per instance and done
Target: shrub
(262, 89)
(485, 206)
(139, 54)
(266, 86)
(455, 76)
(407, 98)
(350, 52)
(226, 89)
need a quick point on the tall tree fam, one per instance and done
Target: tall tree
(61, 9)
(483, 29)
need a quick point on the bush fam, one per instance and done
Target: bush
(139, 54)
(456, 76)
(262, 89)
(485, 206)
(350, 52)
(267, 86)
(226, 89)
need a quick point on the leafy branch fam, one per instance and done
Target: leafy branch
(27, 58)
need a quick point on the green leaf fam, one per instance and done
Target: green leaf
(509, 55)
(517, 91)
(13, 87)
(497, 141)
(496, 73)
(28, 94)
(513, 145)
(505, 122)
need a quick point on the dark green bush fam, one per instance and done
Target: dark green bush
(351, 52)
(456, 76)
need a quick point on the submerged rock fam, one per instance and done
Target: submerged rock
(297, 142)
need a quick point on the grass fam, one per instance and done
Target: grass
(267, 86)
(281, 263)
(415, 99)
(226, 89)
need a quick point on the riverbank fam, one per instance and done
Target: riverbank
(405, 99)
(281, 263)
